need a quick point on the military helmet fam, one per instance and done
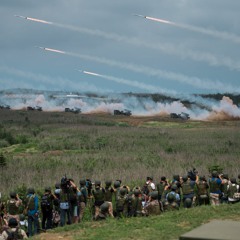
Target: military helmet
(171, 198)
(136, 191)
(174, 187)
(123, 191)
(188, 202)
(225, 176)
(202, 178)
(31, 191)
(97, 183)
(163, 178)
(21, 217)
(214, 174)
(176, 177)
(13, 194)
(108, 183)
(117, 184)
(233, 180)
(104, 207)
(154, 195)
(48, 189)
(185, 178)
(82, 182)
(12, 222)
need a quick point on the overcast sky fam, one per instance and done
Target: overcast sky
(200, 53)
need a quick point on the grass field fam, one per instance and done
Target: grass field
(169, 225)
(41, 147)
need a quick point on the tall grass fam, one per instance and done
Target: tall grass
(98, 147)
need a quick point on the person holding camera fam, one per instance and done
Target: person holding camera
(64, 201)
(47, 208)
(13, 205)
(215, 188)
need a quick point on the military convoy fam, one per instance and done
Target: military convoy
(5, 107)
(182, 115)
(124, 112)
(73, 110)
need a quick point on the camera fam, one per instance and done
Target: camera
(65, 183)
(192, 174)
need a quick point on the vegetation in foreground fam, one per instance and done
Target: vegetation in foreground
(169, 225)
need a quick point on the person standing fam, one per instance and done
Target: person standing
(32, 212)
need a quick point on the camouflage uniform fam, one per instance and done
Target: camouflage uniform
(152, 208)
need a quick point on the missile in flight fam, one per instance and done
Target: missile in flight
(51, 50)
(33, 19)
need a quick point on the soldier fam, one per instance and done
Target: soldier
(161, 186)
(175, 194)
(32, 211)
(122, 203)
(109, 191)
(103, 213)
(224, 188)
(233, 191)
(99, 196)
(187, 189)
(47, 208)
(202, 191)
(215, 188)
(170, 204)
(13, 205)
(13, 232)
(136, 203)
(153, 207)
(82, 198)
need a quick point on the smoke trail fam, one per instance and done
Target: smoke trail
(39, 79)
(194, 81)
(166, 48)
(213, 33)
(131, 83)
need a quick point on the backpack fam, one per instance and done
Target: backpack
(14, 235)
(45, 202)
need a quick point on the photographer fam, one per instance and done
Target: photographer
(13, 205)
(64, 201)
(47, 208)
(68, 201)
(215, 188)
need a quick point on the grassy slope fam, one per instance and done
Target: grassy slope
(169, 225)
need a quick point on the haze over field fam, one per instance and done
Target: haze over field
(139, 104)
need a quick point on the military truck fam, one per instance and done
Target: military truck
(182, 115)
(5, 107)
(73, 110)
(124, 112)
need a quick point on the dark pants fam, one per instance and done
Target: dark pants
(63, 214)
(47, 216)
(32, 220)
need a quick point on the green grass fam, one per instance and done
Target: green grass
(169, 225)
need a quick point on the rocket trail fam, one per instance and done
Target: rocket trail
(206, 31)
(148, 71)
(137, 84)
(198, 56)
(34, 19)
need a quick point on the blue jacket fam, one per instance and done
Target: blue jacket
(35, 210)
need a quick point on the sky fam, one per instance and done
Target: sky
(195, 49)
